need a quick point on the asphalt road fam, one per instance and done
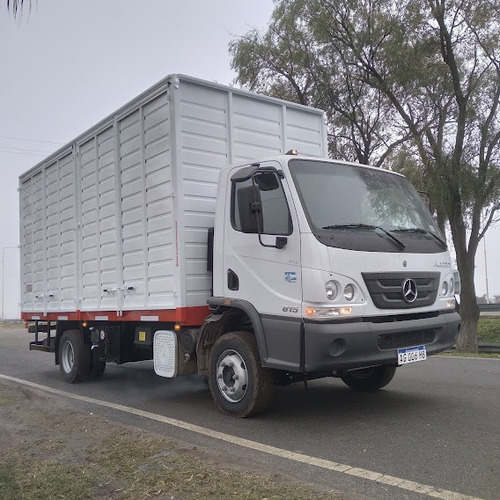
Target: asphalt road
(437, 423)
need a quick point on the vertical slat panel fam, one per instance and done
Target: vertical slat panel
(52, 237)
(68, 232)
(107, 241)
(27, 244)
(89, 224)
(132, 215)
(160, 235)
(205, 148)
(38, 240)
(304, 132)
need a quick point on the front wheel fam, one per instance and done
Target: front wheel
(74, 357)
(369, 379)
(240, 386)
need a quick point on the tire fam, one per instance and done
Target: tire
(369, 379)
(74, 357)
(96, 366)
(240, 386)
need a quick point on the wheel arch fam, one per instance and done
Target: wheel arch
(229, 315)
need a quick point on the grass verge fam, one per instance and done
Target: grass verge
(50, 450)
(488, 330)
(485, 355)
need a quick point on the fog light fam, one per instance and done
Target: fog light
(349, 292)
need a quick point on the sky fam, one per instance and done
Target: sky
(67, 64)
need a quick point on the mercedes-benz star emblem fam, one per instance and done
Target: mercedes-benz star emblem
(410, 291)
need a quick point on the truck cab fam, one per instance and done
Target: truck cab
(338, 269)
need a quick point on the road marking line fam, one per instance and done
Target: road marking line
(264, 448)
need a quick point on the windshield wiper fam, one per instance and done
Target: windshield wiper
(419, 230)
(399, 243)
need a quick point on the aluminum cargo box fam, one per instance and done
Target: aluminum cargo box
(114, 224)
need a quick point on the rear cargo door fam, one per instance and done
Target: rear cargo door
(265, 271)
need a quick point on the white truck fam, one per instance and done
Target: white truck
(179, 230)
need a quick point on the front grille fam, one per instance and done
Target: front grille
(406, 339)
(386, 289)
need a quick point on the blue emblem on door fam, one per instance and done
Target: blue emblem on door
(291, 276)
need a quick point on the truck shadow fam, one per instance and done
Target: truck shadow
(331, 399)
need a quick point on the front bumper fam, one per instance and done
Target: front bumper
(334, 346)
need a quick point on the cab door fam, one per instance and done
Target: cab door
(262, 258)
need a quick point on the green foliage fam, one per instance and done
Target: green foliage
(489, 329)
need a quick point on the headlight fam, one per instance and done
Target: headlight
(452, 286)
(332, 290)
(349, 292)
(444, 288)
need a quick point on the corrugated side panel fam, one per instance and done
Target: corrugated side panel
(97, 227)
(204, 151)
(100, 221)
(216, 127)
(304, 132)
(160, 233)
(67, 292)
(38, 229)
(261, 128)
(147, 223)
(26, 242)
(98, 237)
(128, 254)
(106, 249)
(257, 129)
(48, 238)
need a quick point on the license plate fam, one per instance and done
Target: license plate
(411, 355)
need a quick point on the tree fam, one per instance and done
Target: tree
(287, 62)
(434, 66)
(17, 5)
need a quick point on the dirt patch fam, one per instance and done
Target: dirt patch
(49, 449)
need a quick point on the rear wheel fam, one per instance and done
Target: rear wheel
(240, 386)
(369, 379)
(74, 357)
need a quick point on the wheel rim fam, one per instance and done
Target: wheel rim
(232, 377)
(67, 357)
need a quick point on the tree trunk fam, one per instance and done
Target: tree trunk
(469, 310)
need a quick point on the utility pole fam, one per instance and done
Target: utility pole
(3, 277)
(486, 272)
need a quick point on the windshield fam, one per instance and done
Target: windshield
(382, 208)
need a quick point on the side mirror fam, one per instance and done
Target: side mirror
(267, 181)
(248, 207)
